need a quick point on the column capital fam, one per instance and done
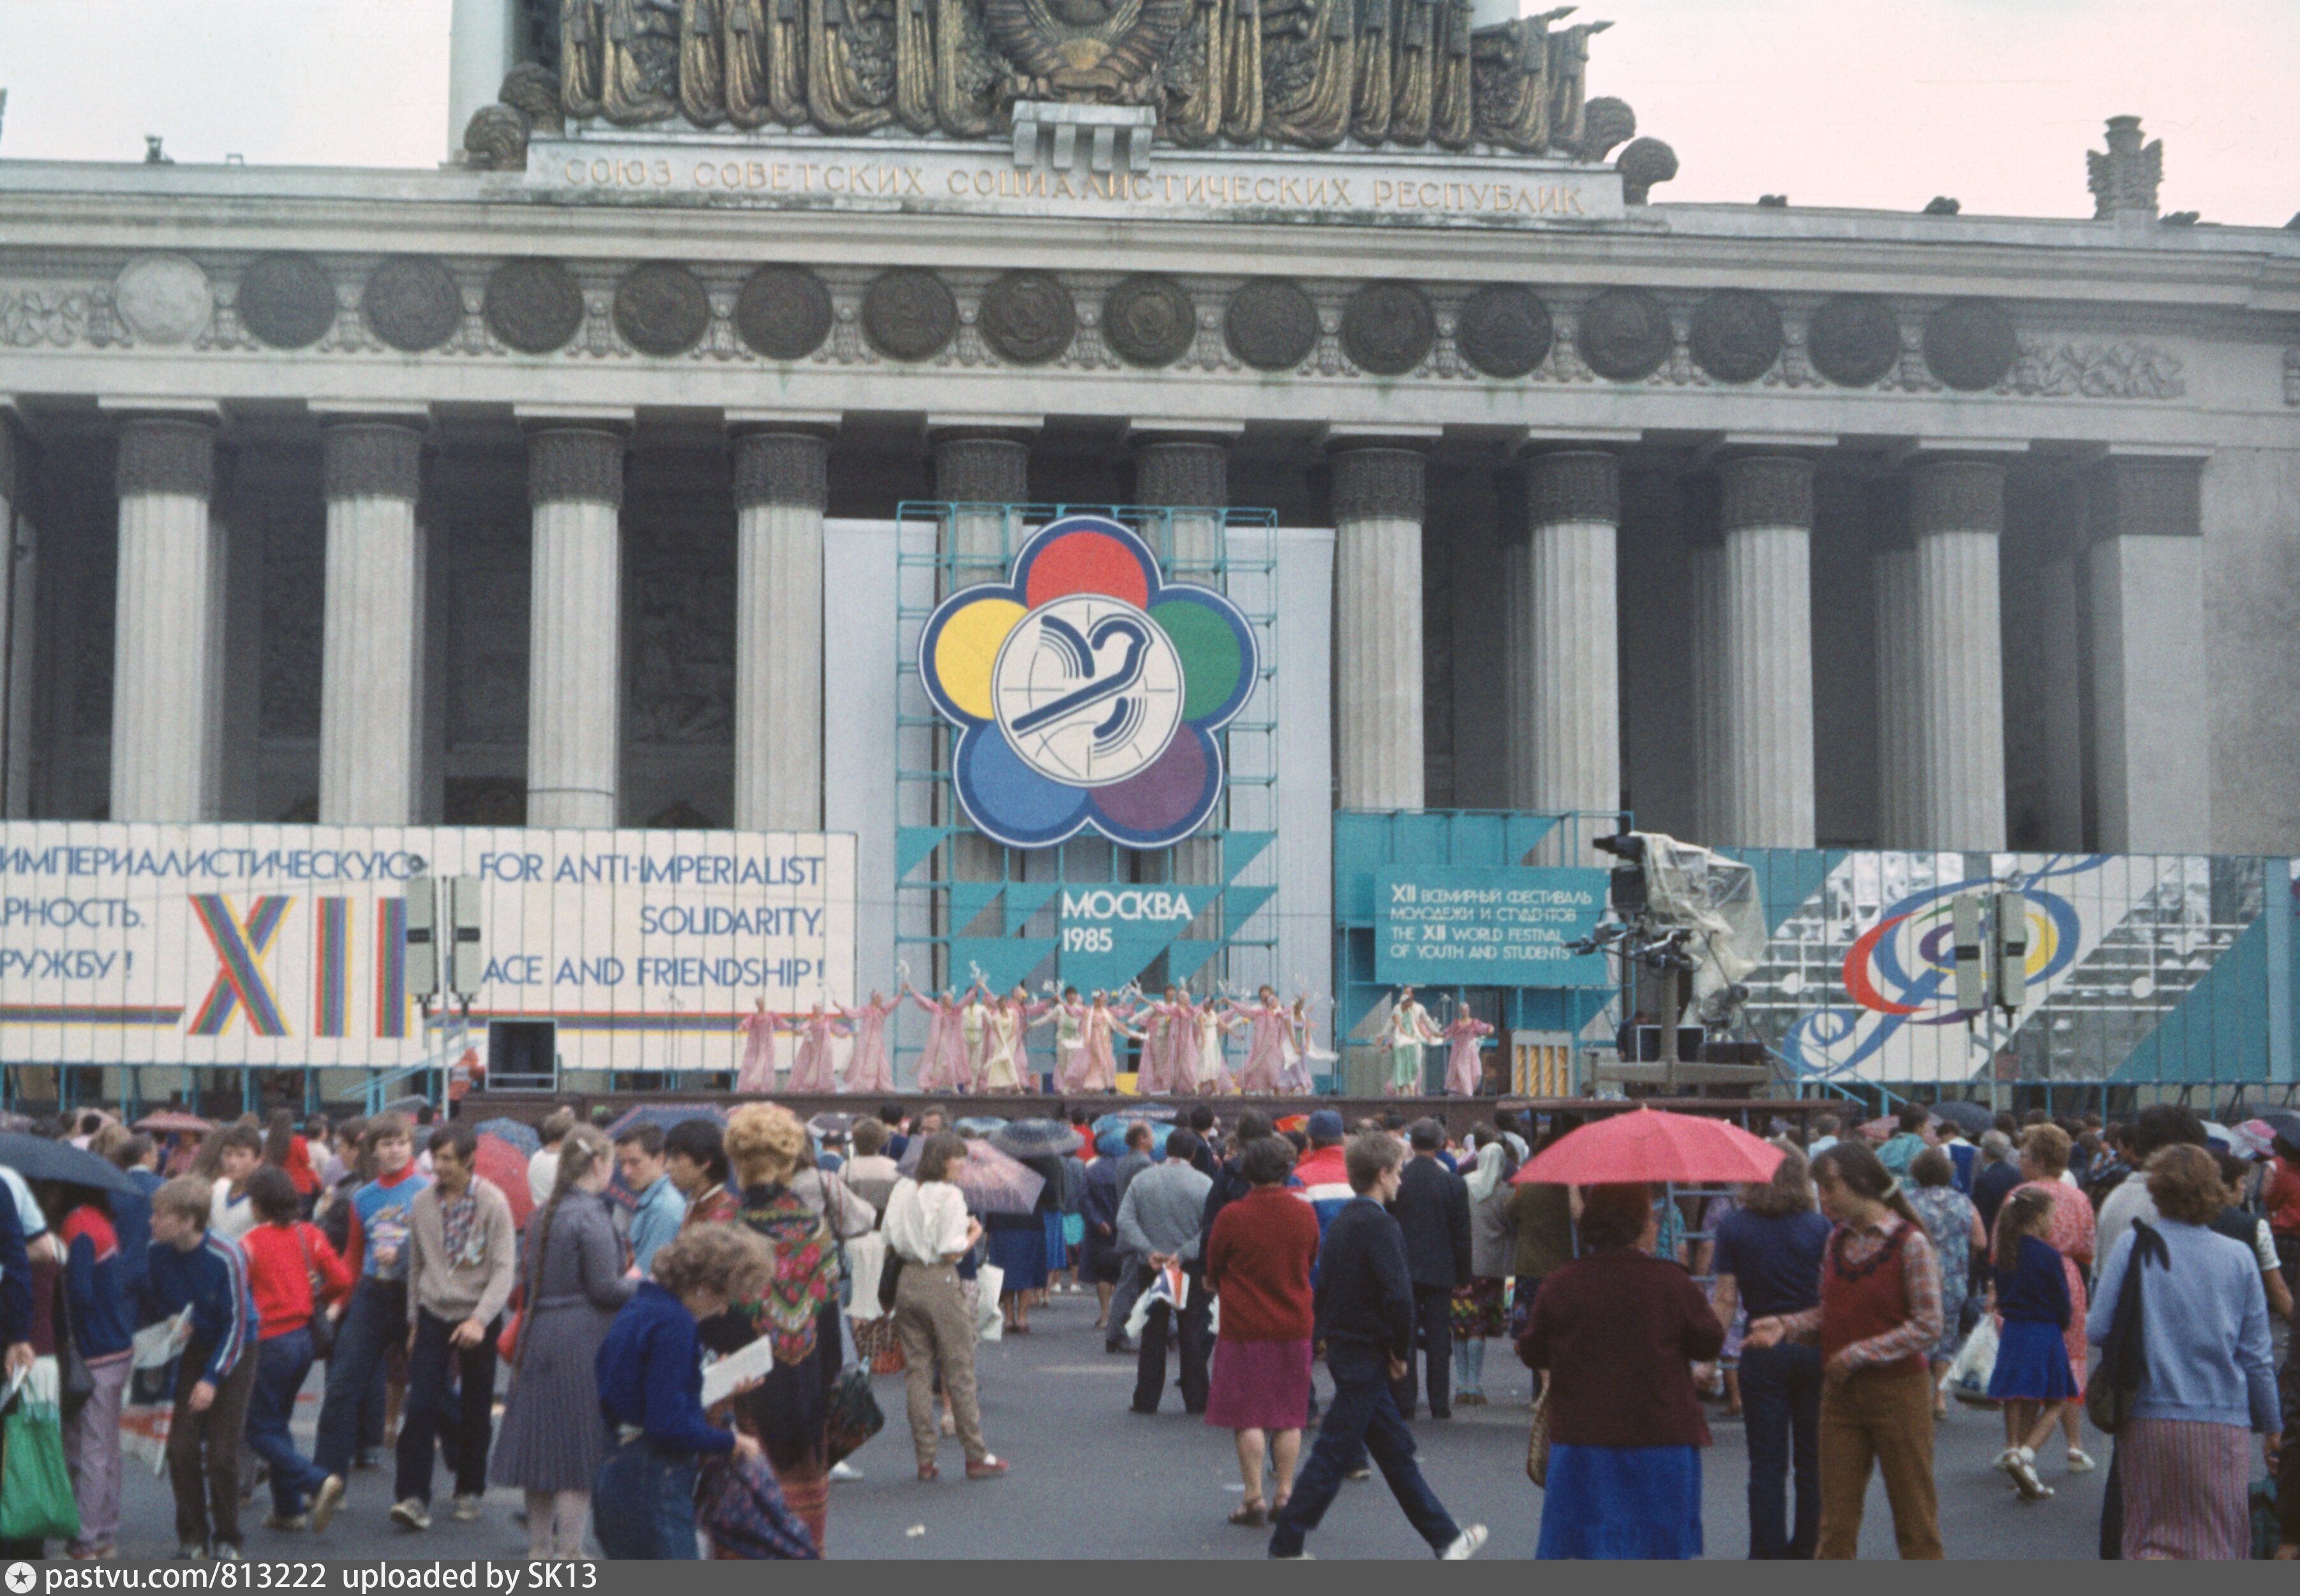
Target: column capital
(1573, 486)
(2144, 496)
(980, 469)
(1767, 490)
(740, 420)
(575, 464)
(595, 418)
(1379, 483)
(1956, 496)
(1014, 427)
(365, 460)
(1190, 472)
(783, 468)
(166, 454)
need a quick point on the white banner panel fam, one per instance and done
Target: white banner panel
(285, 946)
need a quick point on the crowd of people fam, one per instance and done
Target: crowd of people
(682, 1328)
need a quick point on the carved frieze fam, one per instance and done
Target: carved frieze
(1271, 324)
(2092, 370)
(909, 314)
(1853, 339)
(1027, 317)
(411, 303)
(534, 305)
(1624, 334)
(1387, 329)
(783, 312)
(1148, 320)
(288, 301)
(662, 309)
(1737, 334)
(1504, 330)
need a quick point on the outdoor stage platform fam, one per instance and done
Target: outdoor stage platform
(1459, 1113)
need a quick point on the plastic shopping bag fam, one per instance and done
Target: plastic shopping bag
(1976, 1360)
(36, 1493)
(989, 1323)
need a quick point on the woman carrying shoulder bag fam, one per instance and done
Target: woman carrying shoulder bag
(928, 1229)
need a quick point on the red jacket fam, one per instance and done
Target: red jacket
(282, 1259)
(2282, 1198)
(1258, 1260)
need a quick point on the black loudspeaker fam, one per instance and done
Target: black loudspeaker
(1641, 1044)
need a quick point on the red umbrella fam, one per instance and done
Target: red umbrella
(1649, 1145)
(506, 1166)
(174, 1119)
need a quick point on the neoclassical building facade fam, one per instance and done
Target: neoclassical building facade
(515, 490)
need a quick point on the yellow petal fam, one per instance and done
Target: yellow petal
(968, 646)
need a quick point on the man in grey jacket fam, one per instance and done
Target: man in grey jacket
(1158, 1222)
(1135, 1158)
(461, 1253)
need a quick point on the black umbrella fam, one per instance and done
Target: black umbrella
(36, 1158)
(2284, 1123)
(1036, 1138)
(1972, 1118)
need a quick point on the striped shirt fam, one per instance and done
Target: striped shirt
(212, 1280)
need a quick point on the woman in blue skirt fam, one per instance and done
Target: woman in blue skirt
(2032, 1377)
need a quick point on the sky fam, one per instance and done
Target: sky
(1873, 102)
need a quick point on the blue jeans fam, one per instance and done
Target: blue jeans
(1780, 1407)
(281, 1364)
(375, 1318)
(643, 1504)
(1362, 1418)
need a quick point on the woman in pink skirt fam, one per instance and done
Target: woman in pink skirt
(1258, 1258)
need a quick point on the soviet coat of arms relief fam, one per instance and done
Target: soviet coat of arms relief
(1314, 73)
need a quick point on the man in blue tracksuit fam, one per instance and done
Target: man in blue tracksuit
(188, 1268)
(1364, 1316)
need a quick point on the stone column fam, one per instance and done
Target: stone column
(781, 488)
(2152, 748)
(1378, 627)
(1898, 712)
(1572, 734)
(981, 469)
(1191, 474)
(1767, 658)
(165, 669)
(574, 667)
(371, 639)
(2059, 655)
(1956, 515)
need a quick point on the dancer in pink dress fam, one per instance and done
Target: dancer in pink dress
(1302, 1047)
(1070, 1040)
(1161, 1022)
(1102, 1023)
(868, 1068)
(942, 1062)
(1266, 1022)
(758, 1028)
(978, 1018)
(1465, 1072)
(810, 1068)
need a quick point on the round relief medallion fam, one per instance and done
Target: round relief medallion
(1853, 339)
(662, 309)
(287, 301)
(1624, 334)
(1737, 334)
(1969, 344)
(163, 299)
(534, 307)
(1149, 320)
(1504, 330)
(908, 315)
(783, 312)
(1028, 317)
(411, 303)
(1271, 324)
(1387, 329)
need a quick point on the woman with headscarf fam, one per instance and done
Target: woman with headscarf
(553, 1439)
(1480, 1311)
(798, 1310)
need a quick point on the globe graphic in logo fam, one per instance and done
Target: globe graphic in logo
(1089, 690)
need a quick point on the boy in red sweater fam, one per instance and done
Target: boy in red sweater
(283, 1255)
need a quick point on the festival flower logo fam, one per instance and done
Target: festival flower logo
(1088, 691)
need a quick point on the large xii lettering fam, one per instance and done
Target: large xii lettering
(239, 950)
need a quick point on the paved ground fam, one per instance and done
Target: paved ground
(1092, 1480)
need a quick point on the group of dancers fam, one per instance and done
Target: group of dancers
(977, 1041)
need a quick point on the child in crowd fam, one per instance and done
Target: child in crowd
(192, 1267)
(99, 1285)
(2032, 1377)
(285, 1254)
